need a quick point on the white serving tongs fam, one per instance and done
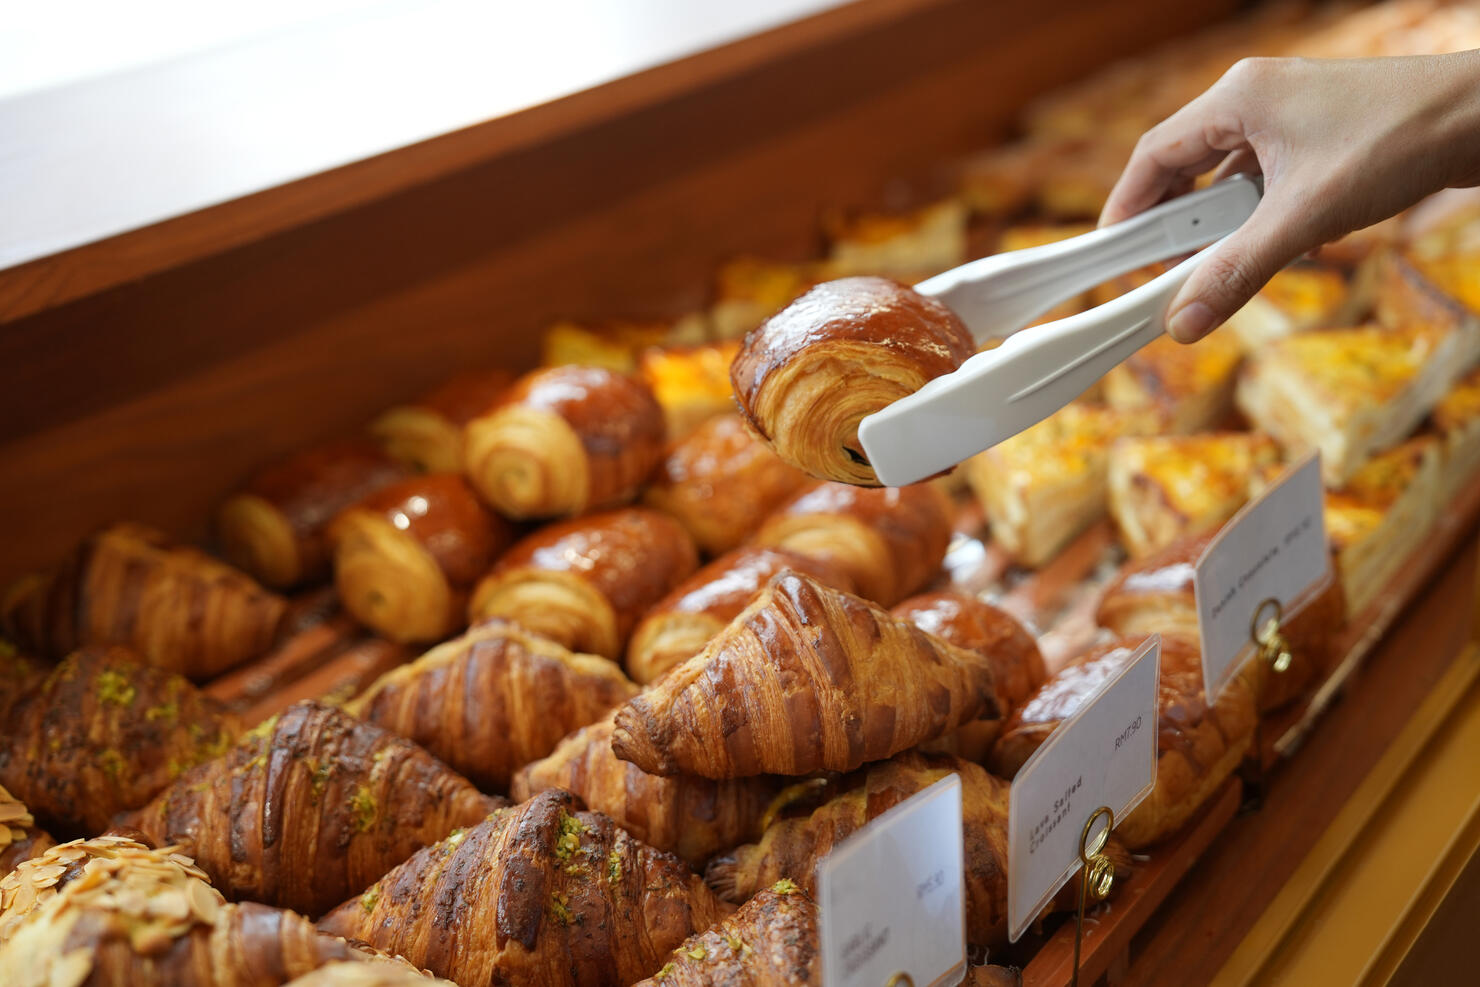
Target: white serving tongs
(1035, 372)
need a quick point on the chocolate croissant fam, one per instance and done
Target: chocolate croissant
(584, 583)
(406, 556)
(1198, 746)
(721, 482)
(103, 734)
(792, 847)
(426, 434)
(679, 625)
(111, 912)
(539, 894)
(841, 352)
(564, 441)
(1155, 595)
(970, 623)
(890, 541)
(805, 679)
(493, 700)
(176, 607)
(274, 527)
(20, 837)
(310, 807)
(692, 817)
(774, 939)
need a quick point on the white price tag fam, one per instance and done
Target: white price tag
(1105, 754)
(892, 897)
(1275, 548)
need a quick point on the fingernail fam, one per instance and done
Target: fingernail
(1190, 322)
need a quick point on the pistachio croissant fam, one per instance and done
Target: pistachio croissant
(311, 807)
(774, 939)
(111, 911)
(692, 817)
(20, 838)
(806, 678)
(127, 584)
(539, 894)
(491, 701)
(103, 734)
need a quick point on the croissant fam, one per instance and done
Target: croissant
(841, 352)
(406, 556)
(20, 838)
(427, 434)
(274, 527)
(583, 583)
(694, 818)
(679, 625)
(1198, 746)
(177, 607)
(774, 939)
(103, 734)
(792, 847)
(539, 894)
(805, 679)
(310, 807)
(967, 622)
(721, 482)
(493, 700)
(1155, 595)
(564, 441)
(111, 911)
(347, 974)
(890, 541)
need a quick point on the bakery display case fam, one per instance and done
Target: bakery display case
(415, 548)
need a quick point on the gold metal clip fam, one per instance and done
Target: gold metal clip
(901, 979)
(1097, 875)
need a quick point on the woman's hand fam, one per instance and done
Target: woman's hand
(1342, 144)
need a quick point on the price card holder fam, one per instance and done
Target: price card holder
(892, 897)
(1266, 564)
(1096, 767)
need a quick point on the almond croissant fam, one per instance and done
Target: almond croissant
(692, 817)
(539, 894)
(493, 700)
(792, 847)
(774, 939)
(103, 734)
(20, 839)
(176, 607)
(311, 807)
(805, 679)
(111, 911)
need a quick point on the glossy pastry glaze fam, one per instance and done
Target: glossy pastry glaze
(869, 341)
(721, 482)
(441, 513)
(467, 395)
(427, 434)
(976, 625)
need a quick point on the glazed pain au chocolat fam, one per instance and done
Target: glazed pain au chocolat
(841, 352)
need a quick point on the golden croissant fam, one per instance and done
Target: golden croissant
(426, 434)
(309, 808)
(774, 940)
(491, 701)
(103, 734)
(692, 817)
(839, 353)
(539, 894)
(805, 679)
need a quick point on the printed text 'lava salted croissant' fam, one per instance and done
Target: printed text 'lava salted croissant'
(805, 679)
(310, 807)
(564, 441)
(839, 353)
(406, 556)
(493, 700)
(539, 895)
(583, 583)
(111, 912)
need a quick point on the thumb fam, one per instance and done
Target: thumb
(1232, 274)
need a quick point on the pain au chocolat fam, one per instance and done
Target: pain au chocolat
(840, 352)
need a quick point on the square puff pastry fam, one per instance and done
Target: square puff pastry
(1188, 386)
(1167, 486)
(1441, 292)
(1373, 521)
(1457, 422)
(1298, 298)
(908, 246)
(1348, 392)
(1043, 486)
(748, 291)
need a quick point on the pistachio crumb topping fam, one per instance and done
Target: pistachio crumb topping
(115, 688)
(697, 953)
(168, 712)
(363, 808)
(614, 866)
(560, 909)
(663, 973)
(785, 886)
(370, 898)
